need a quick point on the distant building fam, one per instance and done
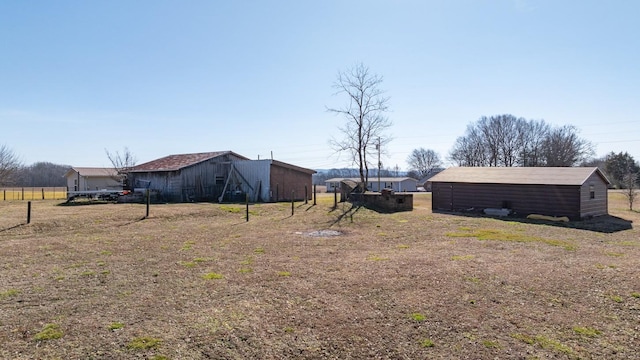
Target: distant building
(92, 178)
(399, 184)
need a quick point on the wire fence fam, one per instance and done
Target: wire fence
(33, 193)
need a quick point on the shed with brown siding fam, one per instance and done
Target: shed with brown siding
(575, 192)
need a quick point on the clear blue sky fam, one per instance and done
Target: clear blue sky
(255, 77)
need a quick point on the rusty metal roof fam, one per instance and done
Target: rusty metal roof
(180, 161)
(518, 175)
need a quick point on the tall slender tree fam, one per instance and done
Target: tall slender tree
(363, 132)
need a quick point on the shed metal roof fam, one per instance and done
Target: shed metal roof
(180, 161)
(518, 175)
(372, 179)
(93, 171)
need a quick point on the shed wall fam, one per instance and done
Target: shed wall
(599, 204)
(86, 183)
(285, 180)
(554, 200)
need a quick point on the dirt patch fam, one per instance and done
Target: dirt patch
(324, 233)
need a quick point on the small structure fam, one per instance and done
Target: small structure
(398, 184)
(92, 178)
(574, 192)
(388, 201)
(221, 176)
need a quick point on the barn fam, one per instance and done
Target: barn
(574, 192)
(221, 176)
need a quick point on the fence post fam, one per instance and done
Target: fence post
(247, 203)
(29, 212)
(335, 197)
(315, 194)
(43, 193)
(148, 202)
(23, 194)
(306, 195)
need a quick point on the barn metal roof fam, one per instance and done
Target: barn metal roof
(180, 161)
(518, 175)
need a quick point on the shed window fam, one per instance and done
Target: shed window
(592, 192)
(219, 180)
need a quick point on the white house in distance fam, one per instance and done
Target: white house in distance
(398, 184)
(92, 178)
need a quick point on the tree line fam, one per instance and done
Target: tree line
(506, 140)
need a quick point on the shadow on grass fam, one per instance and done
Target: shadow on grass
(85, 202)
(13, 227)
(135, 221)
(607, 224)
(346, 212)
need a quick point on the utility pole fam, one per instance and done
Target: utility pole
(379, 163)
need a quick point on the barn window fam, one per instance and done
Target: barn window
(592, 192)
(219, 180)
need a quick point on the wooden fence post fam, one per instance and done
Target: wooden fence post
(43, 193)
(148, 202)
(29, 212)
(315, 194)
(306, 195)
(335, 197)
(247, 203)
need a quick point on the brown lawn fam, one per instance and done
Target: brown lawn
(196, 281)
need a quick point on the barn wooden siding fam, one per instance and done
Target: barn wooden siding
(555, 200)
(203, 181)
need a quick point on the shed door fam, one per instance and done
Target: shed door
(442, 196)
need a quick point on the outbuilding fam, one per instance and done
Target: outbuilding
(221, 176)
(92, 178)
(398, 184)
(574, 192)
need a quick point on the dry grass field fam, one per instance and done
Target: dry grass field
(196, 281)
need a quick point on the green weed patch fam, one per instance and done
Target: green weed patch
(49, 332)
(499, 235)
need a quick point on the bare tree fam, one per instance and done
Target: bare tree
(424, 161)
(563, 147)
(630, 182)
(9, 165)
(470, 150)
(122, 163)
(363, 131)
(533, 134)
